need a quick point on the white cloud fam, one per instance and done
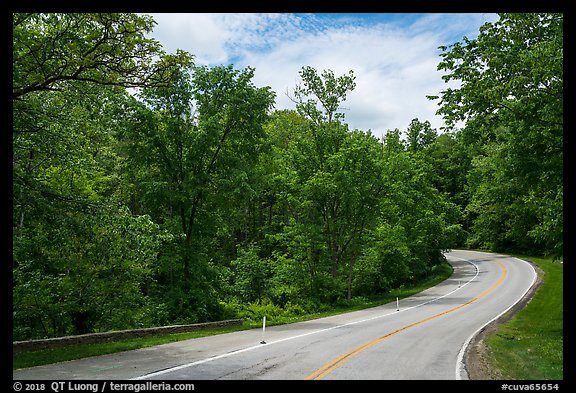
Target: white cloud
(200, 34)
(395, 64)
(393, 72)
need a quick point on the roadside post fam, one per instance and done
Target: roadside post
(263, 330)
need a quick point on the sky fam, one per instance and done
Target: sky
(394, 56)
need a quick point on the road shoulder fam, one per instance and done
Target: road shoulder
(477, 354)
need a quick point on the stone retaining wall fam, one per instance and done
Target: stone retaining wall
(59, 342)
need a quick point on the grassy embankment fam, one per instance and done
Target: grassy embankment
(47, 356)
(530, 345)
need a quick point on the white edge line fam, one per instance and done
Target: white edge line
(461, 372)
(182, 366)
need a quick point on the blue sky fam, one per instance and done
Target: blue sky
(393, 55)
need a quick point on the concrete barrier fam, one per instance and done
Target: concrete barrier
(59, 342)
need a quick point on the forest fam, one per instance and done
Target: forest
(148, 190)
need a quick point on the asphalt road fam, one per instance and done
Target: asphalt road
(421, 337)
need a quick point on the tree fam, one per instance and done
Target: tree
(511, 98)
(250, 275)
(53, 51)
(193, 144)
(515, 65)
(69, 70)
(420, 135)
(415, 211)
(72, 240)
(335, 178)
(359, 177)
(88, 273)
(450, 161)
(326, 89)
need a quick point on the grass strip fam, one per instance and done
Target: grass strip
(530, 345)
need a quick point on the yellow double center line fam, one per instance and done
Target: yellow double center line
(327, 368)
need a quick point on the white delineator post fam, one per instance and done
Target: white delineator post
(397, 305)
(263, 329)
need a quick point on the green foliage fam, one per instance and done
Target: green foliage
(250, 275)
(511, 97)
(81, 262)
(190, 200)
(53, 50)
(327, 90)
(385, 265)
(420, 135)
(87, 274)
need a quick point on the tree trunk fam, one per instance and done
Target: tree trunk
(350, 270)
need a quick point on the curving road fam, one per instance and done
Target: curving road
(423, 337)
